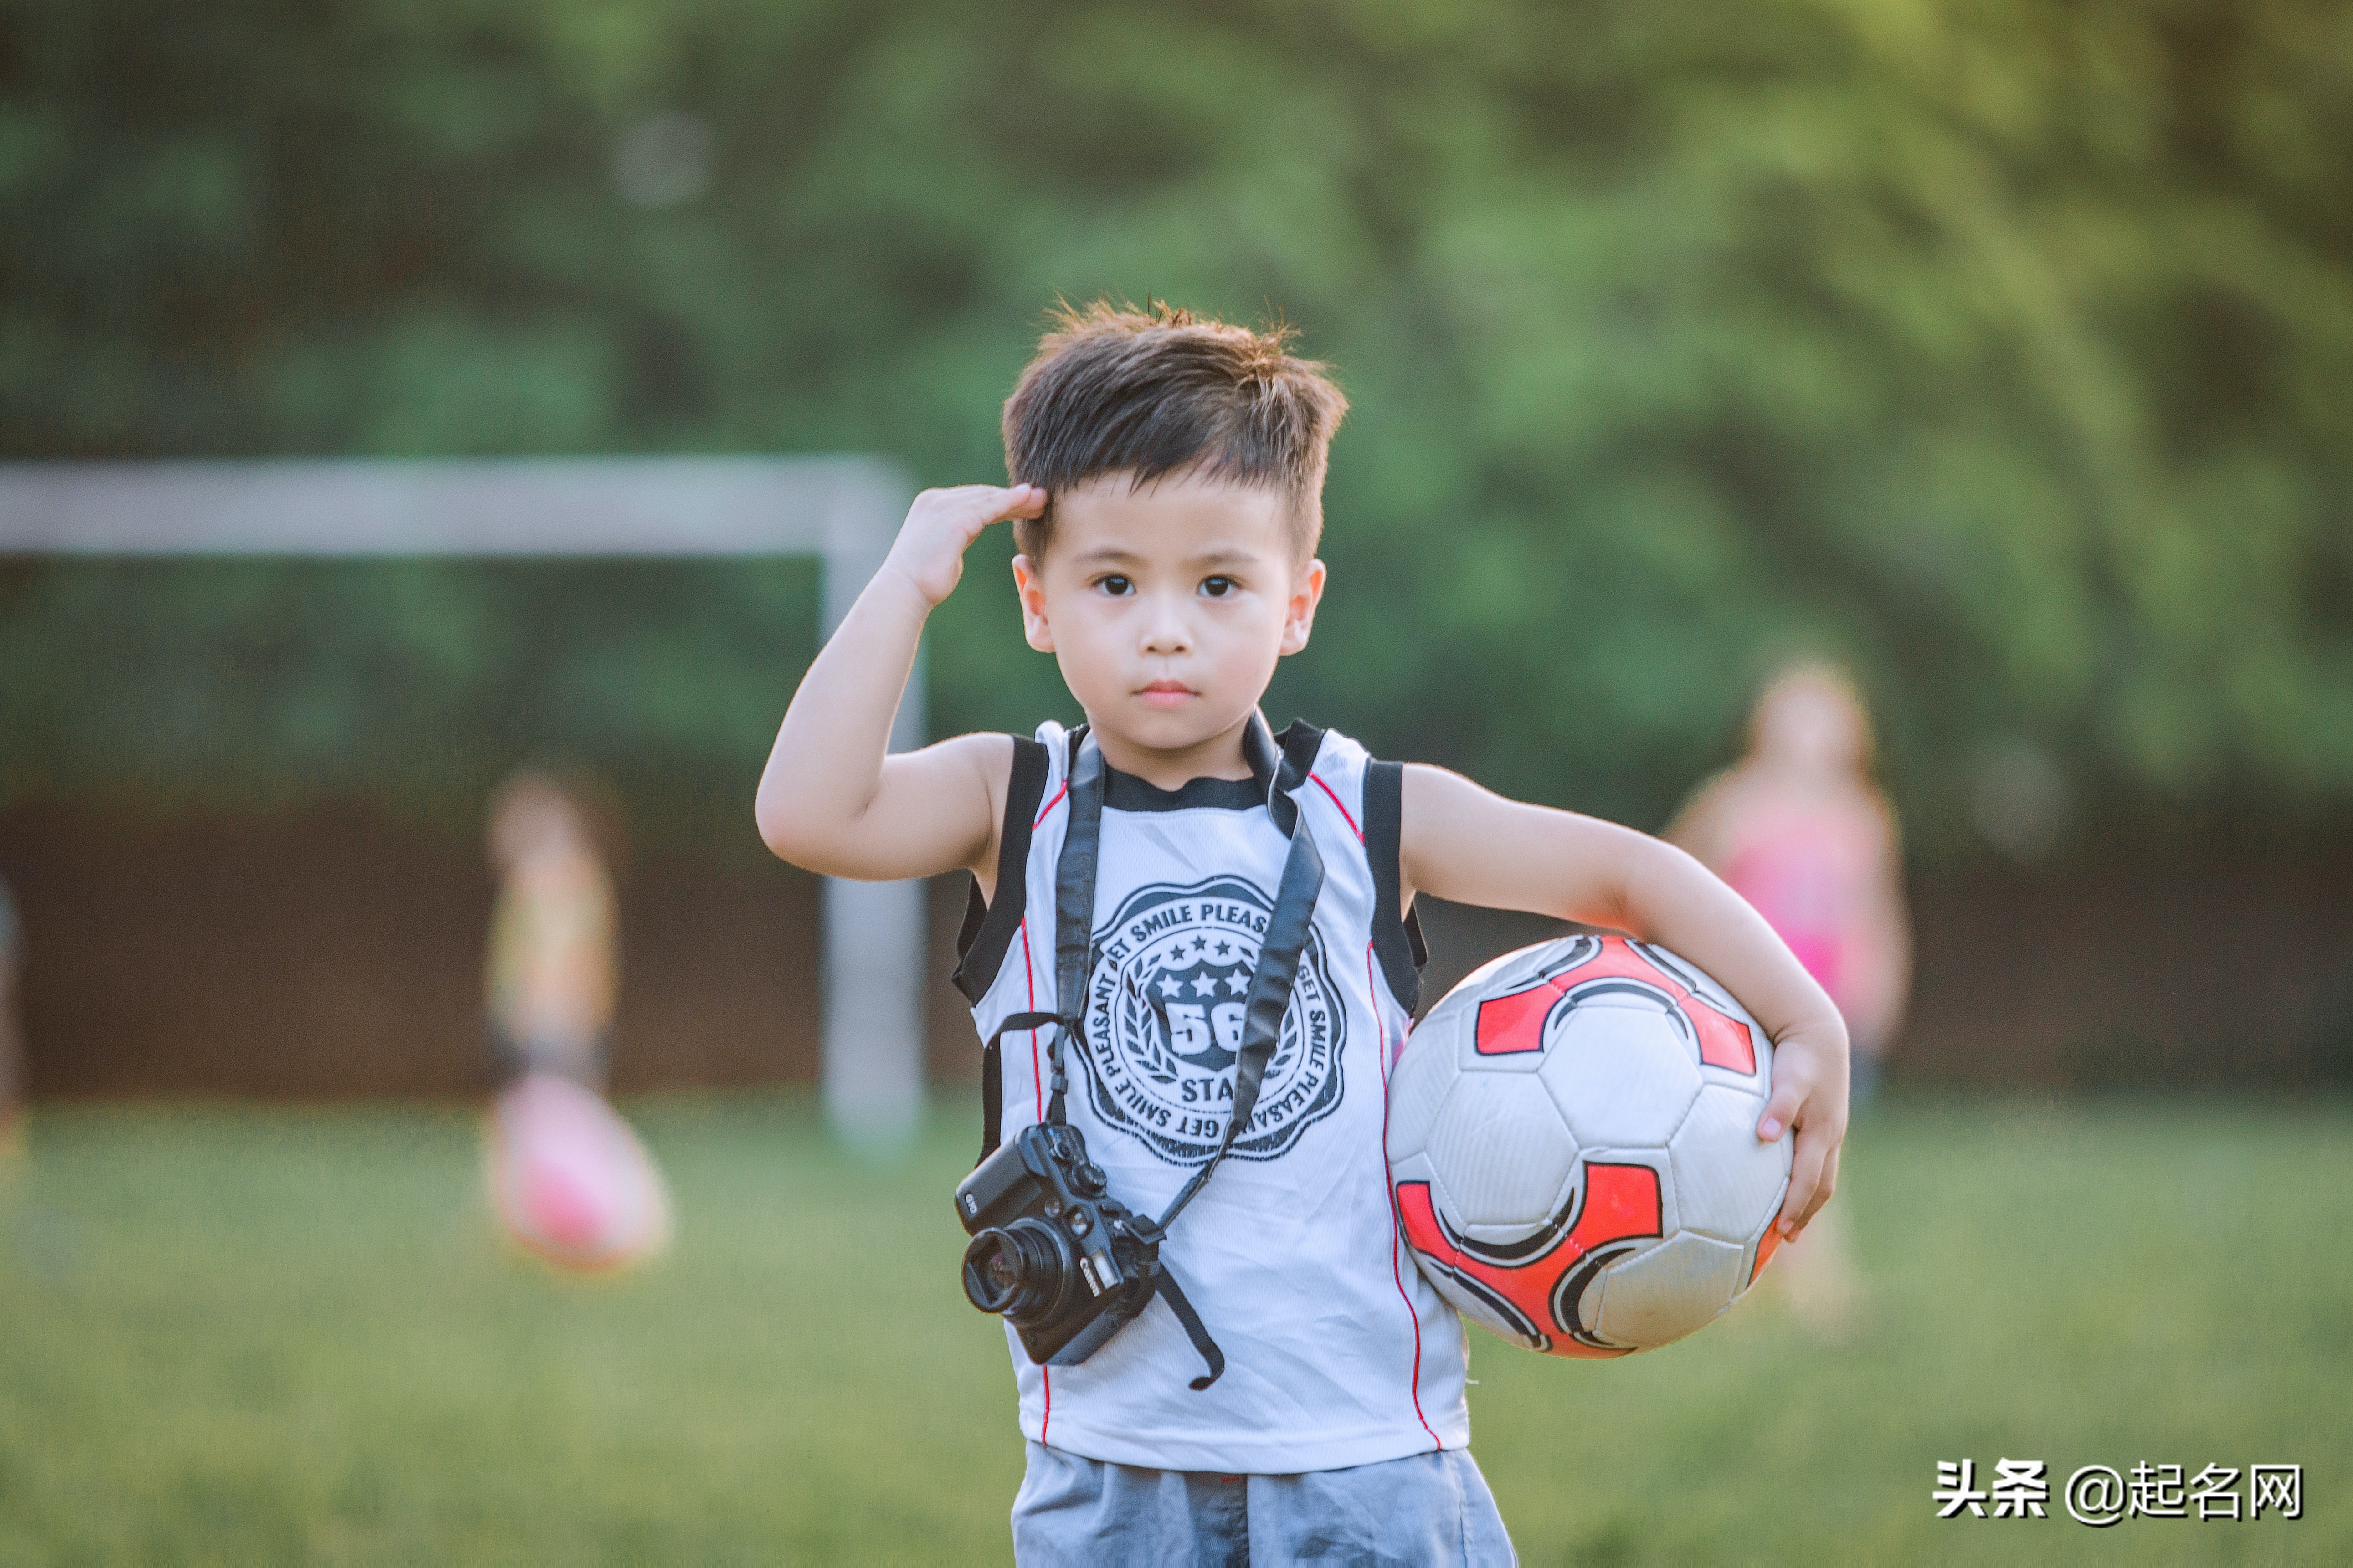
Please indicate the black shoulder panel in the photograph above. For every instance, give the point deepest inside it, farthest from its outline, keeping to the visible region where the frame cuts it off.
(988, 927)
(1396, 943)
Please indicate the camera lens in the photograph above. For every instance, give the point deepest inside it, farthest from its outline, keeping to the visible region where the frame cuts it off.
(1025, 1270)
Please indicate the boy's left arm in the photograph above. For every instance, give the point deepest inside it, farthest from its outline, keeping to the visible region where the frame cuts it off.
(1475, 847)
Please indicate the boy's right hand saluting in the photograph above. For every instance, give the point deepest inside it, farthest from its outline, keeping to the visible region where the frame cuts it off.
(942, 525)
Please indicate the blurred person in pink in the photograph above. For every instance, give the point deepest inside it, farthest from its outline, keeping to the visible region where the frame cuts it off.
(1799, 828)
(569, 1178)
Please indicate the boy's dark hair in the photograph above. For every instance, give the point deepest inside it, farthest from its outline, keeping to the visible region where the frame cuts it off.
(1157, 391)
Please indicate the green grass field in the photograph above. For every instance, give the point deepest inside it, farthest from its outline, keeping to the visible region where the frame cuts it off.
(291, 1336)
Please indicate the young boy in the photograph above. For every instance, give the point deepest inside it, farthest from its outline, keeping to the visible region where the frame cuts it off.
(1166, 500)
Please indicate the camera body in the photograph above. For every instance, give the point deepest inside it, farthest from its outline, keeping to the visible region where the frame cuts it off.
(1067, 1264)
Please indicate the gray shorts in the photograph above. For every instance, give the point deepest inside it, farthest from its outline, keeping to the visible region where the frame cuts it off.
(1425, 1509)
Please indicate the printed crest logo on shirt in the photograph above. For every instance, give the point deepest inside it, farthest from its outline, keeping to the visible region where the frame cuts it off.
(1165, 1004)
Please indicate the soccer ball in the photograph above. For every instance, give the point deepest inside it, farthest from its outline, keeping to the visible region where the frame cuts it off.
(1573, 1149)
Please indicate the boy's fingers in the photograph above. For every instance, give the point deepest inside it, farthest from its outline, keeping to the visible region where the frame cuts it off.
(1807, 1190)
(1817, 1156)
(1823, 1188)
(984, 504)
(1781, 1107)
(1813, 1164)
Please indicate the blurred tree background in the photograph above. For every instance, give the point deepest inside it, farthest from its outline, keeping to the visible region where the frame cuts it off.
(2001, 348)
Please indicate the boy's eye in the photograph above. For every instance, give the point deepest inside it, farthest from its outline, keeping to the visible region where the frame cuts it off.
(1116, 585)
(1218, 587)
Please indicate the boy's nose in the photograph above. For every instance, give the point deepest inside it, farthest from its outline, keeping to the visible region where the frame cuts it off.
(1167, 629)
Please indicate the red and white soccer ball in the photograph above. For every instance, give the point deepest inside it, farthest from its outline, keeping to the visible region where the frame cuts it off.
(1573, 1149)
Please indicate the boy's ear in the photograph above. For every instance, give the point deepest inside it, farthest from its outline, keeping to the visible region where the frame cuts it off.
(1299, 618)
(1026, 583)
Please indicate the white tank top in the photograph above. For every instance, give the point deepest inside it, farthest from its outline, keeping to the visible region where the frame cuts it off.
(1338, 1352)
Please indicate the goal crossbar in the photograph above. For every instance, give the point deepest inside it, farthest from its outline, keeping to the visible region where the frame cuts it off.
(843, 510)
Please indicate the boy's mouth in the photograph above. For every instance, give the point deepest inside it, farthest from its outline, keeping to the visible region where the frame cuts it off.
(1167, 694)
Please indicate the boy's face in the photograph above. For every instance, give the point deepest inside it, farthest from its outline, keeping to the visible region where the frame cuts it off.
(1168, 607)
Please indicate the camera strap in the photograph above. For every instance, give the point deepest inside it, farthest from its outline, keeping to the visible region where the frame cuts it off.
(1287, 930)
(1074, 904)
(1164, 1286)
(1285, 944)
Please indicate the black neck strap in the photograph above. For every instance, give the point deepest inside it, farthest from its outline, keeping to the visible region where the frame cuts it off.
(1279, 955)
(1280, 952)
(1074, 914)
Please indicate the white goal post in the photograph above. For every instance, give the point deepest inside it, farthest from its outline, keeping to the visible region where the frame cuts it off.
(844, 510)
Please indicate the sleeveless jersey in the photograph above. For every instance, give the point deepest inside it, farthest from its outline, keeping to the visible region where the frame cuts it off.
(1338, 1352)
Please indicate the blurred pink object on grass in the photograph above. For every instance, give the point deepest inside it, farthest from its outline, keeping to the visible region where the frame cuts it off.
(570, 1179)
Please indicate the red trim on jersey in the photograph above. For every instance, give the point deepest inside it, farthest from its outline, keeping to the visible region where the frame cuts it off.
(1029, 984)
(1397, 1267)
(1344, 810)
(1037, 1082)
(1049, 809)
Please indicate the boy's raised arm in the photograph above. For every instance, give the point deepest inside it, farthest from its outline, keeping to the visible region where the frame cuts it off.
(831, 799)
(1464, 842)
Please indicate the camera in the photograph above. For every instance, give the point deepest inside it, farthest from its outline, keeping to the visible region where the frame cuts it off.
(1067, 1264)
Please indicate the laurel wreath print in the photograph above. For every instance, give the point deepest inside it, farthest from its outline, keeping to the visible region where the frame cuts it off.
(1156, 983)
